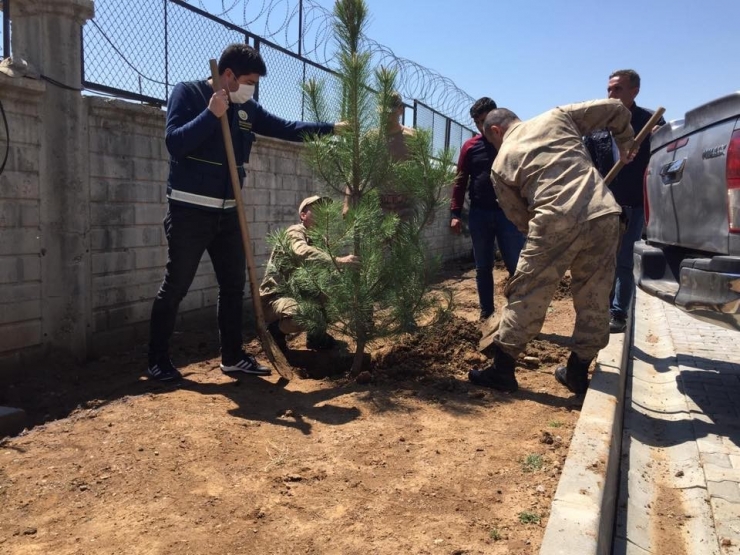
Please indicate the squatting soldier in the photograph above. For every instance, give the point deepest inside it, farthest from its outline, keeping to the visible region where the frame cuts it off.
(549, 188)
(280, 311)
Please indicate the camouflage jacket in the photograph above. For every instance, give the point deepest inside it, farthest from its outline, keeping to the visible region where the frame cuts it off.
(543, 168)
(301, 247)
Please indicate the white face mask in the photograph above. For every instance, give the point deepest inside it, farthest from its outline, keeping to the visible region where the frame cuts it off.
(242, 94)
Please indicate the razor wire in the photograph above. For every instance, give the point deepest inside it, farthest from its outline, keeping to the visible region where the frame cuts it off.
(305, 27)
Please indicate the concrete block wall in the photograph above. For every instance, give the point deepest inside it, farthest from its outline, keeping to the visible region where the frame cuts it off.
(128, 164)
(20, 248)
(128, 172)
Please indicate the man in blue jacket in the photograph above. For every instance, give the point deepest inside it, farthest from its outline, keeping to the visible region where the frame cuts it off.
(201, 213)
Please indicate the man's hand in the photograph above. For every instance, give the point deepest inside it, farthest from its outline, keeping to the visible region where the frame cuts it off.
(456, 226)
(627, 155)
(349, 260)
(341, 127)
(219, 103)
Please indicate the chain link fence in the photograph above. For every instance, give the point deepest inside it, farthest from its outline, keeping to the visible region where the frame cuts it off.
(139, 49)
(445, 132)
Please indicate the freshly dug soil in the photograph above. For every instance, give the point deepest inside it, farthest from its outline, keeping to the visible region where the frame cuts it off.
(413, 460)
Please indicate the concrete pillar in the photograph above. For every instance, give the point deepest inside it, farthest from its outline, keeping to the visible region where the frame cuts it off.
(48, 34)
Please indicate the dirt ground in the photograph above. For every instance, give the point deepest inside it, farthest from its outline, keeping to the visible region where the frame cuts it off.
(415, 461)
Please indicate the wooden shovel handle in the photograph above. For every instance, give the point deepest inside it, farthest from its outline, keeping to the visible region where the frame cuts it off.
(641, 136)
(272, 351)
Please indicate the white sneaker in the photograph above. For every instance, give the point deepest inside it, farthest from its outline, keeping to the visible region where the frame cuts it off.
(247, 364)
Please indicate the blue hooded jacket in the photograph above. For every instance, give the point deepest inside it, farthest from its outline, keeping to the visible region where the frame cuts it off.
(199, 171)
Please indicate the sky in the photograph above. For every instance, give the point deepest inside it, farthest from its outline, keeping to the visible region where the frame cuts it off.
(528, 55)
(532, 55)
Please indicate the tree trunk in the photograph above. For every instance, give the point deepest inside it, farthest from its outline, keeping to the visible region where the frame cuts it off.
(359, 356)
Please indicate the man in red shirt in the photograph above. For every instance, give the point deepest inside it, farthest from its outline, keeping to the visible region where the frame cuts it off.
(487, 222)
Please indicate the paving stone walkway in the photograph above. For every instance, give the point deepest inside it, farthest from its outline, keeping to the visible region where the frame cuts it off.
(680, 478)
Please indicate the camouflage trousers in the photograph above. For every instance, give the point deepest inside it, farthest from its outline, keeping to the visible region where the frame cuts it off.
(589, 251)
(282, 309)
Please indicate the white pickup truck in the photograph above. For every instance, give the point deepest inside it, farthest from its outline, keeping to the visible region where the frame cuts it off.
(691, 253)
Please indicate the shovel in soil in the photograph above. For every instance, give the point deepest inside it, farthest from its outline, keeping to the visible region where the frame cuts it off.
(272, 351)
(490, 326)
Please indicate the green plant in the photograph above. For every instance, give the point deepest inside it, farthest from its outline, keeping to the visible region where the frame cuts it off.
(528, 517)
(495, 534)
(532, 463)
(555, 424)
(390, 287)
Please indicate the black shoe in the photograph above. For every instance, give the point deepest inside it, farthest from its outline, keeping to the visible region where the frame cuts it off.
(574, 376)
(485, 315)
(322, 342)
(278, 336)
(617, 324)
(494, 379)
(163, 371)
(247, 364)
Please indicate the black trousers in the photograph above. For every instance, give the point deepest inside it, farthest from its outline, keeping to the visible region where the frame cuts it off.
(190, 232)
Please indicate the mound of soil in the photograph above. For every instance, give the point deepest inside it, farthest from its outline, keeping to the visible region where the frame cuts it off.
(437, 352)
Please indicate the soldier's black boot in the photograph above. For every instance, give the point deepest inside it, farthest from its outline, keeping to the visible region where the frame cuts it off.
(500, 375)
(574, 376)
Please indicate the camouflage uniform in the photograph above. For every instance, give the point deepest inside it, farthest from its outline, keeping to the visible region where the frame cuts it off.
(284, 308)
(390, 199)
(548, 187)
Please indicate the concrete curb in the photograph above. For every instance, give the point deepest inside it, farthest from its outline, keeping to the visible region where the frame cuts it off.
(583, 509)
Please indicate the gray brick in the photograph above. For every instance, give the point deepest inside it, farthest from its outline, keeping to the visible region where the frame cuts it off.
(25, 130)
(210, 296)
(151, 277)
(16, 292)
(20, 268)
(155, 257)
(257, 197)
(150, 170)
(19, 241)
(104, 239)
(20, 311)
(204, 281)
(98, 190)
(18, 336)
(30, 214)
(100, 320)
(135, 312)
(19, 185)
(106, 262)
(123, 295)
(192, 301)
(150, 213)
(119, 167)
(130, 191)
(105, 214)
(21, 158)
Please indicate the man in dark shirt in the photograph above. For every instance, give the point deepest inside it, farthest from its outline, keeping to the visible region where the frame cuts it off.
(487, 222)
(624, 85)
(201, 214)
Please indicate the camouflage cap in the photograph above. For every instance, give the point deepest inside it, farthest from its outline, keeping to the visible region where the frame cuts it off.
(308, 201)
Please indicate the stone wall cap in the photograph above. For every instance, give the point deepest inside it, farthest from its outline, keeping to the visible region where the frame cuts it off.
(17, 67)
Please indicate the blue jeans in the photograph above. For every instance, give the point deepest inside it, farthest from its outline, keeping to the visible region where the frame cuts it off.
(624, 280)
(488, 227)
(191, 232)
